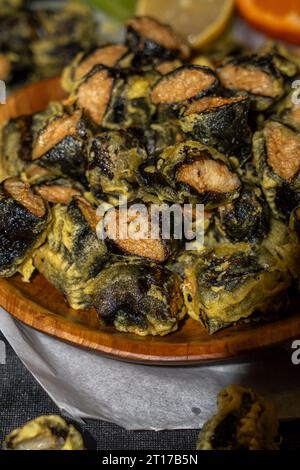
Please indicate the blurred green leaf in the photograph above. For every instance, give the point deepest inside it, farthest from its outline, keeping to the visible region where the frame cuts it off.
(118, 9)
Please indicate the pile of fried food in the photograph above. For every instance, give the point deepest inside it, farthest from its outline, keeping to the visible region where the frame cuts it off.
(39, 43)
(142, 120)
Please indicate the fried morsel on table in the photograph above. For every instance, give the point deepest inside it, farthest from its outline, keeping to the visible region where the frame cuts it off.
(231, 282)
(73, 254)
(152, 41)
(49, 432)
(111, 55)
(136, 297)
(191, 172)
(15, 146)
(113, 159)
(139, 230)
(246, 219)
(24, 219)
(116, 98)
(244, 421)
(183, 85)
(60, 144)
(254, 75)
(221, 122)
(276, 150)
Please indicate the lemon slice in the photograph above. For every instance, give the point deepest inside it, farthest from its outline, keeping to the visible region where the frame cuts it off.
(199, 21)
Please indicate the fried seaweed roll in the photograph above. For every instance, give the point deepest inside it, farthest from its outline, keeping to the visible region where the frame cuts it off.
(73, 254)
(113, 159)
(244, 421)
(137, 230)
(152, 41)
(94, 93)
(183, 85)
(230, 283)
(15, 146)
(116, 99)
(221, 123)
(111, 55)
(191, 171)
(276, 151)
(246, 219)
(24, 219)
(136, 297)
(255, 75)
(60, 145)
(45, 433)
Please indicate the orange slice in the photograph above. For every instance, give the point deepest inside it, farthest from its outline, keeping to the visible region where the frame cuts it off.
(277, 18)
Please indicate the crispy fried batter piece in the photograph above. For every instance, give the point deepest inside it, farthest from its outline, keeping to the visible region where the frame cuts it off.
(244, 421)
(110, 55)
(191, 171)
(45, 433)
(152, 41)
(276, 150)
(60, 145)
(255, 75)
(139, 298)
(129, 231)
(221, 122)
(229, 283)
(246, 219)
(113, 159)
(116, 99)
(73, 254)
(24, 219)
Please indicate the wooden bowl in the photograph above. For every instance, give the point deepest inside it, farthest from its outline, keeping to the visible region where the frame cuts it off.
(42, 307)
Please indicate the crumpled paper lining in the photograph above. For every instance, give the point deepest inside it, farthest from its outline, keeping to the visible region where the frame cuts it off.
(86, 385)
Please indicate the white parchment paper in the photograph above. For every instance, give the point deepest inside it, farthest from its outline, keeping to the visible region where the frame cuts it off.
(87, 385)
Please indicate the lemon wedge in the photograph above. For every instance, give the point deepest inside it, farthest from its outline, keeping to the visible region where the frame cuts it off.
(198, 21)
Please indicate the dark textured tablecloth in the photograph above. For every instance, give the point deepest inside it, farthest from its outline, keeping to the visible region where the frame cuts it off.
(22, 399)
